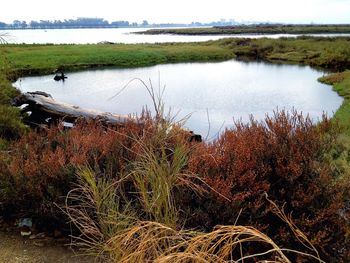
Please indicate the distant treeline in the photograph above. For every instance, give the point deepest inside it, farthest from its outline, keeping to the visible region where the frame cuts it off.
(71, 23)
(99, 23)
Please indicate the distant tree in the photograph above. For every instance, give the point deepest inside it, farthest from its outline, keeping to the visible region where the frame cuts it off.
(17, 24)
(34, 24)
(45, 24)
(90, 22)
(3, 25)
(24, 24)
(120, 23)
(196, 24)
(145, 23)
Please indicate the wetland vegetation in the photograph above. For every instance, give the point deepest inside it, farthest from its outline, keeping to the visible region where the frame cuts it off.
(253, 29)
(284, 176)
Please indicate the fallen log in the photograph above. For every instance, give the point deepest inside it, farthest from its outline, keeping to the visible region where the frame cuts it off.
(41, 108)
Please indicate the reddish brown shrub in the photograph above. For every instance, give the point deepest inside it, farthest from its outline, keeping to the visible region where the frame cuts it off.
(284, 157)
(39, 169)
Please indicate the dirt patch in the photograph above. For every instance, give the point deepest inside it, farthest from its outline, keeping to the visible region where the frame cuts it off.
(16, 249)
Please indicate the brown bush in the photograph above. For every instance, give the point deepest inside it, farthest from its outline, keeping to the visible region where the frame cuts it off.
(284, 157)
(39, 169)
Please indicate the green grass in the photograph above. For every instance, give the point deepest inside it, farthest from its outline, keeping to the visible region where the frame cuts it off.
(43, 59)
(329, 53)
(11, 125)
(326, 53)
(341, 84)
(7, 92)
(253, 29)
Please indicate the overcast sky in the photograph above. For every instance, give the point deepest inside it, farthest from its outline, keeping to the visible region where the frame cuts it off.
(183, 11)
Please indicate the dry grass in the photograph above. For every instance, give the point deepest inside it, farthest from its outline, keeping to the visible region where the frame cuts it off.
(301, 237)
(94, 208)
(155, 242)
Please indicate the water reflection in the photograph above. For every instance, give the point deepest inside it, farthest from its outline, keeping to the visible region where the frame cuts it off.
(227, 90)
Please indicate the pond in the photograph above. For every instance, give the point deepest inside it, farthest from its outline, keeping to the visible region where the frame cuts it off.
(219, 92)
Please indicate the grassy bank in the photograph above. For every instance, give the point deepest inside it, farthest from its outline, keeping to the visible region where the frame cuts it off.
(341, 84)
(253, 29)
(324, 53)
(11, 126)
(44, 59)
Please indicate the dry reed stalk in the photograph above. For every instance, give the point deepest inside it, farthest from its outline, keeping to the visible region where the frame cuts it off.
(301, 237)
(155, 242)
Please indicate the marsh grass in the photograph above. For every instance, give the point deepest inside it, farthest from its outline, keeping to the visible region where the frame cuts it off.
(44, 59)
(155, 177)
(319, 52)
(163, 153)
(94, 208)
(253, 29)
(341, 84)
(11, 125)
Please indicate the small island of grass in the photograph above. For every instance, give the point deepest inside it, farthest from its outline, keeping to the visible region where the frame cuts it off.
(253, 29)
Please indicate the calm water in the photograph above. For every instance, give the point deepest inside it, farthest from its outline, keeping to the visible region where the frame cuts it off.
(115, 35)
(227, 90)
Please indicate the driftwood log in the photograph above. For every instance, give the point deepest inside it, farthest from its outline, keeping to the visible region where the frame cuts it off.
(41, 108)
